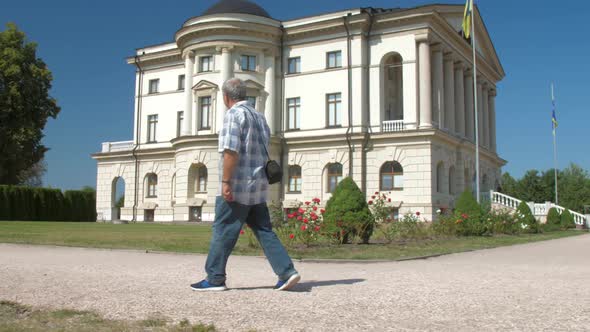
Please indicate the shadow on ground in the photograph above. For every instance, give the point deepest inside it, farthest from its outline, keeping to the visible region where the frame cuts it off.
(309, 285)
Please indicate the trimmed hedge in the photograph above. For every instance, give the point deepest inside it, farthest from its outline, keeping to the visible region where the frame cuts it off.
(43, 204)
(567, 220)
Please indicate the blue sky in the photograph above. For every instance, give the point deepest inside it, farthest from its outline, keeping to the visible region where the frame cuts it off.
(85, 44)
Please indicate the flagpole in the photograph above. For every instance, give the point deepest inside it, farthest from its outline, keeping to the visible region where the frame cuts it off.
(554, 146)
(475, 104)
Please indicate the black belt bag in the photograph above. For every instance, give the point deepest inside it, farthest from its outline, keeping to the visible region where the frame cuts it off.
(274, 171)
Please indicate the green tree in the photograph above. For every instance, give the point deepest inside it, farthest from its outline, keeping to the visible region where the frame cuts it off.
(509, 185)
(574, 188)
(530, 187)
(25, 106)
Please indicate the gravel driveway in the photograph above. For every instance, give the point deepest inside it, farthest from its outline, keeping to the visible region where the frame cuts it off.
(539, 286)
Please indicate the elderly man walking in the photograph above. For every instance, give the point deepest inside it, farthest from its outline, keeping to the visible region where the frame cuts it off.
(243, 145)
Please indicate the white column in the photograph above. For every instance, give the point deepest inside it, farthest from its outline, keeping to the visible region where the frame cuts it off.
(493, 120)
(469, 106)
(189, 65)
(269, 86)
(480, 112)
(449, 94)
(438, 95)
(486, 119)
(227, 72)
(425, 81)
(459, 100)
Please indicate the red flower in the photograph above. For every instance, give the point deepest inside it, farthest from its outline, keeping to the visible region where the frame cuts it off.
(373, 197)
(314, 217)
(389, 200)
(303, 227)
(299, 218)
(317, 200)
(301, 210)
(290, 216)
(242, 232)
(305, 220)
(317, 228)
(315, 208)
(418, 213)
(291, 236)
(464, 216)
(322, 211)
(370, 202)
(342, 232)
(307, 203)
(376, 193)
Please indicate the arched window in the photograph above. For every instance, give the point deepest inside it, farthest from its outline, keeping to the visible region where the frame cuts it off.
(197, 179)
(295, 181)
(152, 185)
(334, 176)
(393, 104)
(440, 168)
(452, 180)
(392, 176)
(173, 193)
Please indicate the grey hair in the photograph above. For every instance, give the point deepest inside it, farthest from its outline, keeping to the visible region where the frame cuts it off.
(234, 89)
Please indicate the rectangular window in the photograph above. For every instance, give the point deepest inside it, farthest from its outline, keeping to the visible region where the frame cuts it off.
(251, 101)
(294, 113)
(205, 111)
(179, 123)
(295, 180)
(152, 123)
(154, 86)
(294, 65)
(180, 82)
(206, 64)
(334, 106)
(248, 62)
(334, 59)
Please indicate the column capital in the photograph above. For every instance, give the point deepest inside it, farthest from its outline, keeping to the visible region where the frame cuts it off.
(188, 54)
(224, 48)
(424, 37)
(449, 56)
(493, 93)
(460, 65)
(437, 48)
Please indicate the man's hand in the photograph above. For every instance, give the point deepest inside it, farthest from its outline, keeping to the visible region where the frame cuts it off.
(227, 193)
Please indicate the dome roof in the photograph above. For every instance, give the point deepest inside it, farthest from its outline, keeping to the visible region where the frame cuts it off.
(236, 7)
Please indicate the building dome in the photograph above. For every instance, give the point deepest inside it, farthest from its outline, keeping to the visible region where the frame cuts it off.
(236, 7)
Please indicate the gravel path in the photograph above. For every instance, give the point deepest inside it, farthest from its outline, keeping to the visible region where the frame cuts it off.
(539, 286)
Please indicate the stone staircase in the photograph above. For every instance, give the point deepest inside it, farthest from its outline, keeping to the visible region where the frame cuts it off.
(540, 210)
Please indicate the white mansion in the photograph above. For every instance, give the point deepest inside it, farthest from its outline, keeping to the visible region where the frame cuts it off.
(382, 95)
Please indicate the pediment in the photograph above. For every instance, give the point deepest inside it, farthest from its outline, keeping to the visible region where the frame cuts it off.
(250, 84)
(205, 85)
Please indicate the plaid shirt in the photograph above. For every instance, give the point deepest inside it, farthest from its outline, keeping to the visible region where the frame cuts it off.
(242, 135)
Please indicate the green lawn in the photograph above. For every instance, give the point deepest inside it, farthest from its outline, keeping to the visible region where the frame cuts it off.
(195, 239)
(16, 318)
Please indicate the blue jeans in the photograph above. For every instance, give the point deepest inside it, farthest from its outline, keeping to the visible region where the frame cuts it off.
(229, 219)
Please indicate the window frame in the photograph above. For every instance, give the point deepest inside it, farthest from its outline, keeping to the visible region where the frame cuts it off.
(202, 173)
(336, 102)
(291, 176)
(297, 111)
(209, 64)
(152, 119)
(151, 83)
(181, 82)
(152, 186)
(297, 60)
(393, 175)
(249, 58)
(337, 56)
(202, 126)
(330, 175)
(179, 123)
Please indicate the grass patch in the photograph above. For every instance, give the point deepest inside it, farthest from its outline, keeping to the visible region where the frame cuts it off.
(15, 318)
(195, 239)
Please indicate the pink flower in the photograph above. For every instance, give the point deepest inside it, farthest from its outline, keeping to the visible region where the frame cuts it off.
(303, 228)
(301, 210)
(291, 236)
(242, 232)
(464, 216)
(305, 220)
(317, 228)
(314, 217)
(315, 208)
(322, 211)
(299, 218)
(307, 203)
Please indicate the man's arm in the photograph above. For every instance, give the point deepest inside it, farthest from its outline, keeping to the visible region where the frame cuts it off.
(230, 162)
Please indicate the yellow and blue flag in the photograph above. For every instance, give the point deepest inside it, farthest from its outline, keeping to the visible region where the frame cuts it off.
(467, 16)
(553, 116)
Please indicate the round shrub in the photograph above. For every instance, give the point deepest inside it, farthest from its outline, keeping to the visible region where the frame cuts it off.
(553, 217)
(567, 220)
(347, 213)
(524, 216)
